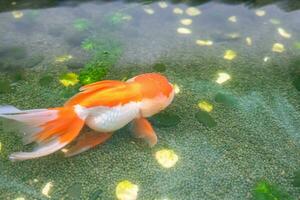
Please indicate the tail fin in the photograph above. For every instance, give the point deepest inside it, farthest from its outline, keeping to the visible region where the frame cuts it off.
(51, 128)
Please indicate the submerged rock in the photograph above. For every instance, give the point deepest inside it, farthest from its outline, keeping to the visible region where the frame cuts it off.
(159, 67)
(4, 86)
(226, 99)
(296, 82)
(205, 119)
(165, 120)
(46, 80)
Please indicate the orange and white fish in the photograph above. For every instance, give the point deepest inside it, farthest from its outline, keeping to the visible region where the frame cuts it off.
(104, 106)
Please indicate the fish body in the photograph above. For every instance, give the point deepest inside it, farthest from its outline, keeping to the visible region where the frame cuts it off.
(104, 107)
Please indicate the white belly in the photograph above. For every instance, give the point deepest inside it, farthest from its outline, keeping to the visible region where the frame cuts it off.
(106, 119)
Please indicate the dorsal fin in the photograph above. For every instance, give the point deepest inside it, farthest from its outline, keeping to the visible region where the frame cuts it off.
(100, 85)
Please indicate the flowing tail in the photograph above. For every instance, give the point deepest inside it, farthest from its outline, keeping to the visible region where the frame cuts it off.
(51, 128)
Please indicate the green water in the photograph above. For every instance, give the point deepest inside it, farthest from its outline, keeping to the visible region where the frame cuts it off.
(246, 147)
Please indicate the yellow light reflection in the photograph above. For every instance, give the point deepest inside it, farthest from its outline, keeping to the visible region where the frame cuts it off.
(0, 146)
(223, 77)
(193, 11)
(166, 158)
(162, 4)
(284, 33)
(63, 58)
(46, 189)
(19, 198)
(266, 59)
(184, 31)
(178, 11)
(149, 11)
(126, 190)
(232, 19)
(186, 21)
(205, 106)
(229, 54)
(204, 42)
(69, 79)
(17, 14)
(260, 13)
(278, 47)
(249, 41)
(176, 88)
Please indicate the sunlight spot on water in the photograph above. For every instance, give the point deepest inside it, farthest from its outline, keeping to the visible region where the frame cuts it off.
(178, 11)
(278, 47)
(274, 21)
(284, 33)
(232, 19)
(204, 42)
(63, 58)
(69, 79)
(35, 180)
(13, 3)
(126, 191)
(233, 35)
(222, 77)
(205, 106)
(166, 158)
(186, 21)
(185, 31)
(17, 14)
(249, 41)
(229, 55)
(46, 189)
(260, 13)
(0, 146)
(162, 4)
(192, 11)
(20, 198)
(149, 11)
(64, 150)
(176, 88)
(266, 59)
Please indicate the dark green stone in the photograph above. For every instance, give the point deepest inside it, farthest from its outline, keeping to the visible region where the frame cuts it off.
(19, 75)
(45, 80)
(159, 67)
(296, 179)
(165, 119)
(205, 119)
(74, 192)
(4, 86)
(226, 99)
(296, 83)
(96, 195)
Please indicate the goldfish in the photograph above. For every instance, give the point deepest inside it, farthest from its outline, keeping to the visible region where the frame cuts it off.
(104, 107)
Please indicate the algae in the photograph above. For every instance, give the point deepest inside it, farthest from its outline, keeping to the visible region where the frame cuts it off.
(265, 191)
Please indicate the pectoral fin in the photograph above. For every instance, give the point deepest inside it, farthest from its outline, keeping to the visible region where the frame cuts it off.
(143, 129)
(87, 141)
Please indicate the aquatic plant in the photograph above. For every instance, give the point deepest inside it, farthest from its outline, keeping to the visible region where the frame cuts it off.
(119, 18)
(105, 53)
(92, 72)
(88, 45)
(263, 190)
(81, 24)
(69, 79)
